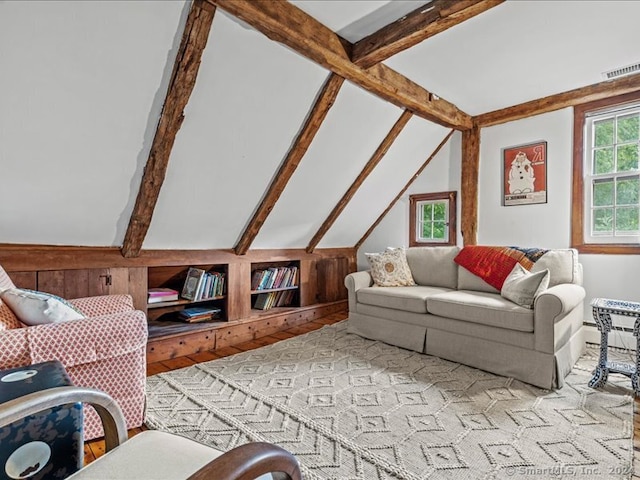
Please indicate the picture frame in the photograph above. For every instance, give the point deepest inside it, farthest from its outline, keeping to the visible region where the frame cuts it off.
(524, 174)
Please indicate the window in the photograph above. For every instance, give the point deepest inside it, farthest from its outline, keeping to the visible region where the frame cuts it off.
(606, 176)
(432, 219)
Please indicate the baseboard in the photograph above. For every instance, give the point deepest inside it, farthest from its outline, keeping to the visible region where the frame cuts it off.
(617, 338)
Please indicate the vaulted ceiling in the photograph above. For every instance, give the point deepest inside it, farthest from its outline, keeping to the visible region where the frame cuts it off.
(271, 140)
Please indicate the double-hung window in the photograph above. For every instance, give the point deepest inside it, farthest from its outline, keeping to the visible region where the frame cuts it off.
(432, 219)
(609, 175)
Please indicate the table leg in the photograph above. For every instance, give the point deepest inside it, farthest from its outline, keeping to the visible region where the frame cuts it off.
(603, 322)
(634, 375)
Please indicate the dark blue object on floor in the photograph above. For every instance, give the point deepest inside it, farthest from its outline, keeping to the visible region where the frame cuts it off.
(48, 445)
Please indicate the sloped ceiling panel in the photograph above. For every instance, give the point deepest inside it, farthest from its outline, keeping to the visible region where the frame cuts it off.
(524, 50)
(78, 83)
(250, 100)
(353, 129)
(356, 19)
(410, 150)
(442, 175)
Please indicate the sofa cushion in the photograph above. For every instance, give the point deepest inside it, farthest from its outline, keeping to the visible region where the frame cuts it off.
(434, 266)
(522, 287)
(562, 264)
(410, 299)
(481, 307)
(37, 308)
(469, 281)
(390, 268)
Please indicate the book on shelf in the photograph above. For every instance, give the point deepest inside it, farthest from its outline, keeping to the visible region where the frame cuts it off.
(267, 300)
(203, 285)
(157, 295)
(192, 283)
(199, 314)
(274, 278)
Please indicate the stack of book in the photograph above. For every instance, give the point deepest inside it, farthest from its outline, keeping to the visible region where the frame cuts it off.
(202, 285)
(274, 277)
(157, 295)
(265, 301)
(198, 314)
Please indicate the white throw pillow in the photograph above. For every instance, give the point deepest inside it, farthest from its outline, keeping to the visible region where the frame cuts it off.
(522, 286)
(38, 308)
(390, 268)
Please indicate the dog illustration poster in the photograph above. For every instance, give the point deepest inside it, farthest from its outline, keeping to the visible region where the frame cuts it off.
(525, 174)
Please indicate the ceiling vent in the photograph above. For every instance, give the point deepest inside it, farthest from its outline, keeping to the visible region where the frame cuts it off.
(622, 71)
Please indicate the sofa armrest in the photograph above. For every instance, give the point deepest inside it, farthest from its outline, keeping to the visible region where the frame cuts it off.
(550, 307)
(88, 340)
(103, 304)
(354, 282)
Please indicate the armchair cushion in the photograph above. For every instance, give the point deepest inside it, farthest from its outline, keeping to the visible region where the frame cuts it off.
(8, 320)
(103, 304)
(37, 308)
(88, 340)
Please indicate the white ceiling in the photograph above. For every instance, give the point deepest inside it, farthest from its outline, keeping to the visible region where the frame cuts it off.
(83, 83)
(518, 51)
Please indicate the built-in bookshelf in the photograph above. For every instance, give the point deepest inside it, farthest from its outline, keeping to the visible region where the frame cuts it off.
(197, 286)
(274, 285)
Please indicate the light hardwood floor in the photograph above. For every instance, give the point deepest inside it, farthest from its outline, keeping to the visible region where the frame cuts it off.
(95, 448)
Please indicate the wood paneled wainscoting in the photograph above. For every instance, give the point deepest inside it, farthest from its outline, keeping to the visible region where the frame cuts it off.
(317, 288)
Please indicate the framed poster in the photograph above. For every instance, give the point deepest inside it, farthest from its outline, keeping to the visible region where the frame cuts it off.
(524, 174)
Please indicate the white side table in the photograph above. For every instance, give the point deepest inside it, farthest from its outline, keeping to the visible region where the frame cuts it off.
(603, 308)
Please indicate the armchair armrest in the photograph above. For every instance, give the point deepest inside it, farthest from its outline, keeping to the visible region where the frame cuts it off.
(103, 304)
(89, 339)
(550, 307)
(354, 282)
(250, 461)
(115, 427)
(245, 462)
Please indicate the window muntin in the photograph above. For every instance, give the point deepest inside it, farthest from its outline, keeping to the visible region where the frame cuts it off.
(432, 219)
(612, 175)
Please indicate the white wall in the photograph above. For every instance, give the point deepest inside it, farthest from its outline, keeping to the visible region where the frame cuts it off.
(441, 175)
(543, 225)
(80, 85)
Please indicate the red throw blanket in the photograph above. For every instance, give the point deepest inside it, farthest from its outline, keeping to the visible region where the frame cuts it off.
(494, 264)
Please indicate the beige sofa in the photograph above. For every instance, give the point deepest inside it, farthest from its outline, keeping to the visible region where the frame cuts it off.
(453, 314)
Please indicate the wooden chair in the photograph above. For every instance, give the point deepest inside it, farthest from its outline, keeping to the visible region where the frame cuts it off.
(155, 455)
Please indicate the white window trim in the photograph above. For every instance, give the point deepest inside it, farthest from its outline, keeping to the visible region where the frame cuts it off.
(589, 178)
(420, 222)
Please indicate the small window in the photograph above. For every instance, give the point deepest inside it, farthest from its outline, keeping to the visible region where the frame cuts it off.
(432, 219)
(608, 165)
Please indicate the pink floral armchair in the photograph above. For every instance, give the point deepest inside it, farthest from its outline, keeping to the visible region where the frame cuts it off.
(106, 350)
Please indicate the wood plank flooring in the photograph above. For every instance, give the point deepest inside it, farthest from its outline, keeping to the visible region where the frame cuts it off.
(95, 448)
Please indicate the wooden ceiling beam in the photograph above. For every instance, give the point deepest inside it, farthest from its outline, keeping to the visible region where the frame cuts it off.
(380, 152)
(597, 91)
(413, 28)
(183, 79)
(469, 185)
(402, 192)
(316, 116)
(285, 23)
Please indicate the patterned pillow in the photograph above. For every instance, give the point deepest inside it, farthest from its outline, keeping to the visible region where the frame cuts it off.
(37, 308)
(390, 268)
(522, 287)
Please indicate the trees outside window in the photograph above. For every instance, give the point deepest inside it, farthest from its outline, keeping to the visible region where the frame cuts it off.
(606, 171)
(432, 219)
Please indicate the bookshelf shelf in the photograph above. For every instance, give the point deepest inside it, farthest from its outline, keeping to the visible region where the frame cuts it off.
(182, 302)
(254, 292)
(174, 277)
(275, 285)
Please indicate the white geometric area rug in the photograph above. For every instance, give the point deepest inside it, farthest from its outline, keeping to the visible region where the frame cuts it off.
(351, 408)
